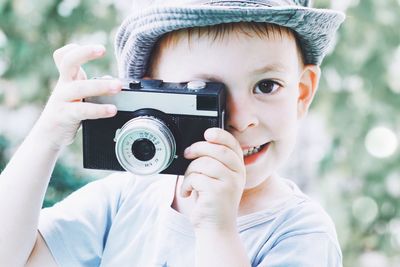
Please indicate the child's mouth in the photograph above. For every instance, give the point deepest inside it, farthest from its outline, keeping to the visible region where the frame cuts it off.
(252, 154)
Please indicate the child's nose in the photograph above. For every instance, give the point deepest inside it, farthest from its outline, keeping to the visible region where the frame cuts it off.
(241, 114)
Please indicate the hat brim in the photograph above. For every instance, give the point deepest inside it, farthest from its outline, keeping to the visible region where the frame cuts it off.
(137, 35)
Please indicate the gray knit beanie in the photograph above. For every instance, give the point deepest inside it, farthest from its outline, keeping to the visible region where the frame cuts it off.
(315, 28)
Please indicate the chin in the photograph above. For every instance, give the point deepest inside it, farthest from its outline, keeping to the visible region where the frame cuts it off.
(254, 177)
(258, 173)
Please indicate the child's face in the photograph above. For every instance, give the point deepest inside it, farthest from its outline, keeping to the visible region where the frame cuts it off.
(255, 115)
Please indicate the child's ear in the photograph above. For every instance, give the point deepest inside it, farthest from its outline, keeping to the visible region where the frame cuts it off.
(308, 85)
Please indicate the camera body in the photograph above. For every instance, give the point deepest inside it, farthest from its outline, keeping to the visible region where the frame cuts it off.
(154, 124)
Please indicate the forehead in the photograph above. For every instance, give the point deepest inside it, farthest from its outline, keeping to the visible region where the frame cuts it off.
(234, 48)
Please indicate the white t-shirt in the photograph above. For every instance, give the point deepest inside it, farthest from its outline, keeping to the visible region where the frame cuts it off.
(123, 220)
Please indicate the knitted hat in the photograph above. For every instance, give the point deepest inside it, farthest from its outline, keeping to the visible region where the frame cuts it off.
(314, 28)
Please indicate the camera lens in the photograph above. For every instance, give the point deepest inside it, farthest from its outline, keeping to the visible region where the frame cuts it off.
(145, 145)
(143, 149)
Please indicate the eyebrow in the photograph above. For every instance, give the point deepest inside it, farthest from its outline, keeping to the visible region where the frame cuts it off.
(274, 67)
(209, 77)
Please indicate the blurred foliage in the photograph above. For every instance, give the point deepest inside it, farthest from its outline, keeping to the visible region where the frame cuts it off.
(29, 34)
(359, 92)
(358, 175)
(64, 181)
(3, 146)
(31, 31)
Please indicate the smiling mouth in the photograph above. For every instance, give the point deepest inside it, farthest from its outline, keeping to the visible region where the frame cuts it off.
(253, 150)
(251, 155)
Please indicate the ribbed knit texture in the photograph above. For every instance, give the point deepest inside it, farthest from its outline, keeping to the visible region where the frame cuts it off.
(138, 33)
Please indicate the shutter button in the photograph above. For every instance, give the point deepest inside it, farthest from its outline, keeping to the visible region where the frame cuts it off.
(196, 85)
(135, 84)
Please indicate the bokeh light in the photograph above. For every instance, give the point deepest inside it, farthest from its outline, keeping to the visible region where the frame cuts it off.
(392, 183)
(365, 210)
(393, 76)
(381, 142)
(66, 7)
(394, 228)
(373, 259)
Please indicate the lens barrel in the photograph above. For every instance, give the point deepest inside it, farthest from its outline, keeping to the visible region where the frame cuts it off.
(145, 145)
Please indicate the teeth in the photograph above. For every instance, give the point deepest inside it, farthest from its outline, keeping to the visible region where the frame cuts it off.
(251, 151)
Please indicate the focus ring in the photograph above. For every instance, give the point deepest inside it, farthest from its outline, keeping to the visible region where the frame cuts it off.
(156, 131)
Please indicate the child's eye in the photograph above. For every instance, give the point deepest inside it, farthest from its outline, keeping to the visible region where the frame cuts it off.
(266, 87)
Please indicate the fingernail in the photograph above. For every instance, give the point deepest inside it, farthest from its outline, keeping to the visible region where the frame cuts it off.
(187, 151)
(111, 109)
(98, 49)
(115, 87)
(209, 134)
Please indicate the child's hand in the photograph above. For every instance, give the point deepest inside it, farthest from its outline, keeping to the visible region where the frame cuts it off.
(217, 175)
(64, 110)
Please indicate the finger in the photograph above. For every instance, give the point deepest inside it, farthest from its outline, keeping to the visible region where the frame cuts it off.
(211, 168)
(79, 111)
(222, 137)
(222, 153)
(197, 182)
(81, 89)
(71, 63)
(82, 74)
(59, 54)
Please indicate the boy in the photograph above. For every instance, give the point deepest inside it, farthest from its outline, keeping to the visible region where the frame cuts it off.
(230, 208)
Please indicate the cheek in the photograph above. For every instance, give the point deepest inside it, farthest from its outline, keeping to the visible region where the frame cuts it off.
(281, 118)
(284, 130)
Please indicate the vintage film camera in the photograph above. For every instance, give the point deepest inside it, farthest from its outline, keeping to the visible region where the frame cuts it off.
(154, 124)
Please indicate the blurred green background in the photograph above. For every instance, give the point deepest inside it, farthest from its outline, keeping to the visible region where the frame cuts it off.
(348, 150)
